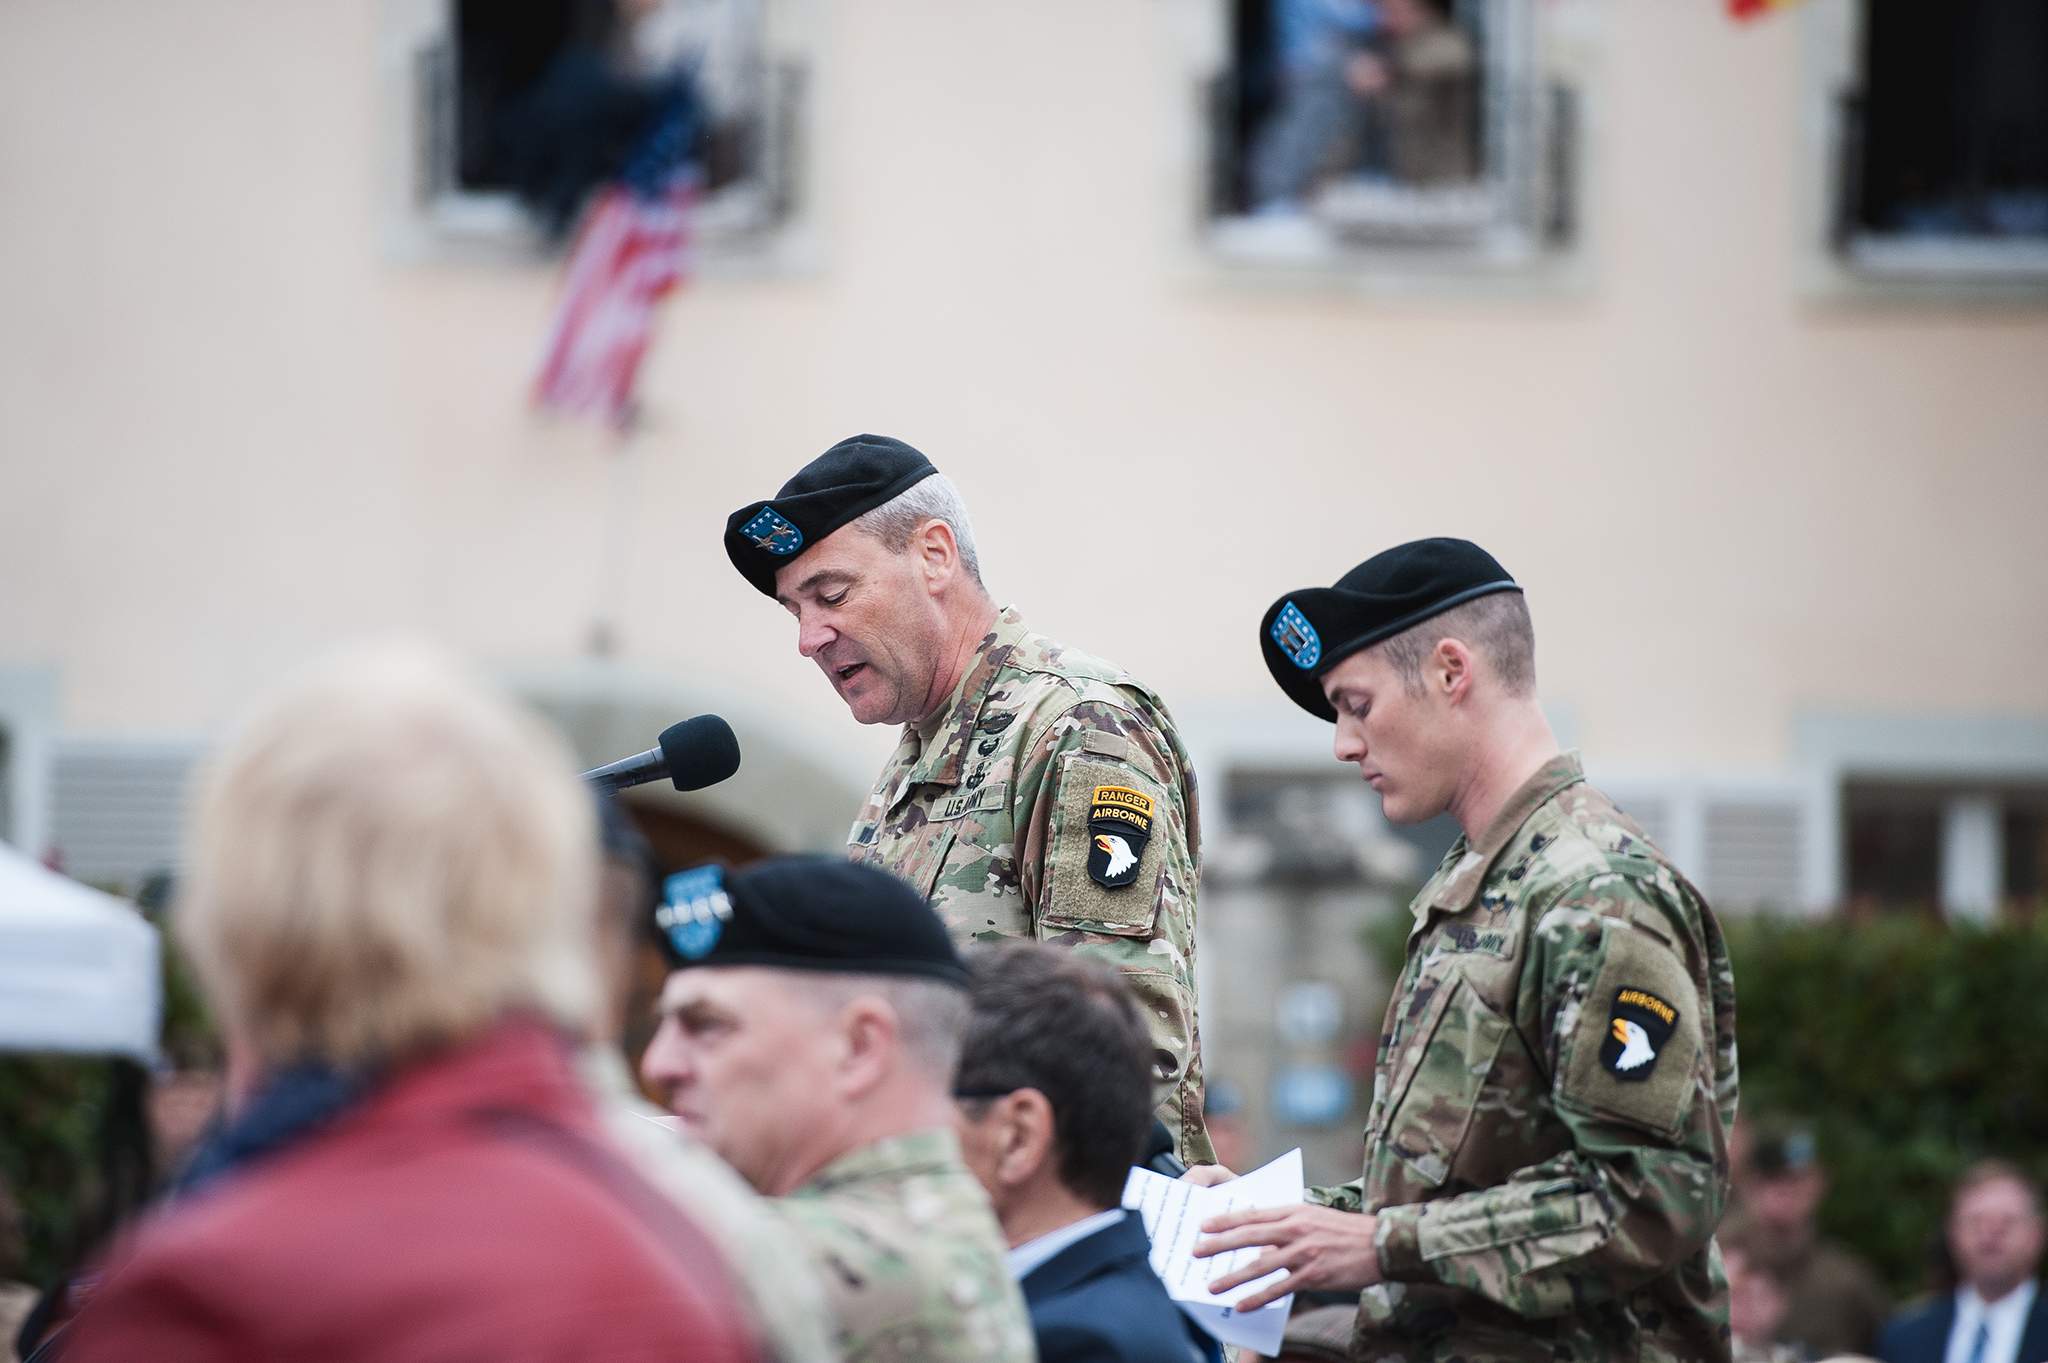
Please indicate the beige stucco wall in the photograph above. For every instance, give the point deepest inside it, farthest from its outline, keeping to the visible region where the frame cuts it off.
(231, 431)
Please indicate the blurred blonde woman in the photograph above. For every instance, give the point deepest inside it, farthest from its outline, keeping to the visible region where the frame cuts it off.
(389, 885)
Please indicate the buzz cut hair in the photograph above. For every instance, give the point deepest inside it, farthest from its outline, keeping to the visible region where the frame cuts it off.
(931, 1015)
(1495, 626)
(930, 499)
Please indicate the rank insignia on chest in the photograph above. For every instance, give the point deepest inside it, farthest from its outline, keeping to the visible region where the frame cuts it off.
(769, 531)
(1636, 1032)
(693, 911)
(1119, 825)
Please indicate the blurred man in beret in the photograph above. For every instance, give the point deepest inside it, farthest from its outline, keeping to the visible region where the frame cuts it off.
(1546, 1154)
(784, 1300)
(1037, 792)
(809, 1034)
(1834, 1302)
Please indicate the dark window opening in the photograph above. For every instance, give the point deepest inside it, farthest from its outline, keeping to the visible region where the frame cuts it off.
(1894, 851)
(502, 49)
(1951, 133)
(549, 99)
(1892, 846)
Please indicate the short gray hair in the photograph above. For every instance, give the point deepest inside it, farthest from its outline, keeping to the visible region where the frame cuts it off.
(930, 499)
(931, 1017)
(1496, 627)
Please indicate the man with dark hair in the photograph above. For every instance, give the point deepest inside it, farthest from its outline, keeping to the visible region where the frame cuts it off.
(1546, 1155)
(1053, 1106)
(1996, 1314)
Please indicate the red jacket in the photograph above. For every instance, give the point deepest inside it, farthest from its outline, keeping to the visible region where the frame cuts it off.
(468, 1209)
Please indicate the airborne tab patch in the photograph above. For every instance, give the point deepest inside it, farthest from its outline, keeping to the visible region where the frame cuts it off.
(1297, 637)
(1119, 825)
(693, 911)
(1636, 1032)
(769, 531)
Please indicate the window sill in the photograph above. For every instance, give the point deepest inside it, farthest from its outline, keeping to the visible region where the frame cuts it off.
(1474, 258)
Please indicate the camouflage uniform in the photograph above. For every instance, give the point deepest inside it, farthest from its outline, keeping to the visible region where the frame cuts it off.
(785, 1303)
(1547, 1145)
(994, 804)
(912, 1260)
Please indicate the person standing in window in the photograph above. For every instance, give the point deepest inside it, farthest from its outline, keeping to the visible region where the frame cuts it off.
(1316, 117)
(1417, 82)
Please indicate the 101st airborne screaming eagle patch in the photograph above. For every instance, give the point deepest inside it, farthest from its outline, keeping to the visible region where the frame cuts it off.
(1119, 825)
(1636, 1032)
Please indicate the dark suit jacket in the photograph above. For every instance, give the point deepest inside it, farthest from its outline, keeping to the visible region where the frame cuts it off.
(1921, 1335)
(1098, 1301)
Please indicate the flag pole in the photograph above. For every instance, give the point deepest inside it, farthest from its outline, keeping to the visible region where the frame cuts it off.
(615, 549)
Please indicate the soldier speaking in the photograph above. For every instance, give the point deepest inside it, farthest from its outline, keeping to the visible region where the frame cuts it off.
(1546, 1151)
(1037, 792)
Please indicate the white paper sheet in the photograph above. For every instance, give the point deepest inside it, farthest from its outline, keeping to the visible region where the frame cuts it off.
(1173, 1213)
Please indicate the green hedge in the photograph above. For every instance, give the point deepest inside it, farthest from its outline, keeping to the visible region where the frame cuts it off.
(1911, 1048)
(73, 1141)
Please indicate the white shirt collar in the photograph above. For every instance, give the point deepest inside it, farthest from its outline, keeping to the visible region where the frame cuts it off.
(1032, 1253)
(2004, 1321)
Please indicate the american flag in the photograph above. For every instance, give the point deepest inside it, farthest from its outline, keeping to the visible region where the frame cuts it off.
(632, 249)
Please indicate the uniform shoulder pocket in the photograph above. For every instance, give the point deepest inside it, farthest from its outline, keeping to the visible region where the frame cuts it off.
(1636, 1042)
(1106, 849)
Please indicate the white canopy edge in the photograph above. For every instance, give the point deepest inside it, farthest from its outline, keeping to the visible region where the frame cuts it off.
(78, 968)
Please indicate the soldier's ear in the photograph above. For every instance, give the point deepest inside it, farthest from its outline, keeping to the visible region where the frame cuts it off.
(870, 1045)
(938, 553)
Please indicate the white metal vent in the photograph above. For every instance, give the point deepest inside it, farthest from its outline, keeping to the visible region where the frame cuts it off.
(1752, 853)
(117, 807)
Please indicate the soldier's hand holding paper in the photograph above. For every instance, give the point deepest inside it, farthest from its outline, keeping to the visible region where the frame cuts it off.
(1322, 1249)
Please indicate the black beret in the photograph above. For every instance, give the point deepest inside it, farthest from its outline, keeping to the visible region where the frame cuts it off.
(842, 484)
(1306, 633)
(804, 913)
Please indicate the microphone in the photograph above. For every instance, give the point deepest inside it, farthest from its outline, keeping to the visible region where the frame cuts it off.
(697, 753)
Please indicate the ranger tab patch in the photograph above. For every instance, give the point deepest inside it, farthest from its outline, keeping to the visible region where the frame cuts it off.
(1636, 1032)
(769, 531)
(1297, 637)
(693, 911)
(1119, 825)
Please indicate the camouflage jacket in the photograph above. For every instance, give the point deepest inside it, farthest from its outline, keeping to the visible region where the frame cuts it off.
(910, 1254)
(785, 1303)
(1053, 799)
(1547, 1144)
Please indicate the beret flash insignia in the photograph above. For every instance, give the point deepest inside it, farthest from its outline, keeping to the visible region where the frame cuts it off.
(1636, 1032)
(1297, 637)
(694, 910)
(771, 532)
(1119, 826)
